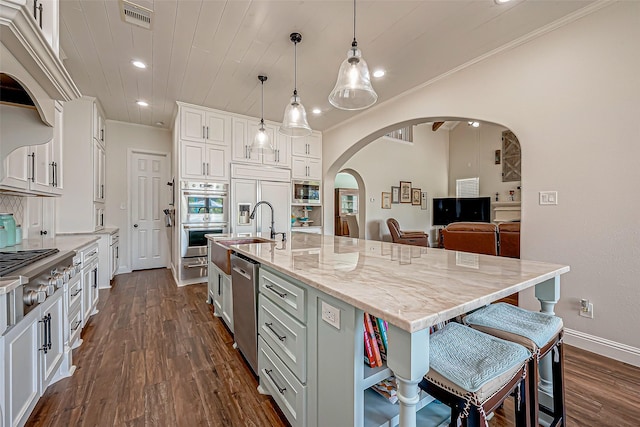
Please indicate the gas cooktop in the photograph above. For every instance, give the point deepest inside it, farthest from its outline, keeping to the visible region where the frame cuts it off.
(12, 261)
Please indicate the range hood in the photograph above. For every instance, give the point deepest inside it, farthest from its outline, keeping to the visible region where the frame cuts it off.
(20, 121)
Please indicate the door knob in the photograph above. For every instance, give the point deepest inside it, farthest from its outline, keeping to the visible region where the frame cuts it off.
(135, 225)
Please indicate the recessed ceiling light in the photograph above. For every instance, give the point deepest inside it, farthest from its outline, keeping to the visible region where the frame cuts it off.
(474, 124)
(316, 111)
(501, 1)
(160, 123)
(139, 64)
(142, 103)
(378, 73)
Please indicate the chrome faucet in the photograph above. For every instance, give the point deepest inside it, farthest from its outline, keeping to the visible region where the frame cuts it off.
(273, 231)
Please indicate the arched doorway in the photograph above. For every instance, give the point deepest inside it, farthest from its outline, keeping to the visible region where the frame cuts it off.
(349, 198)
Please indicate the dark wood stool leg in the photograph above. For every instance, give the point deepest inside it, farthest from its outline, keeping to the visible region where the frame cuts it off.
(532, 391)
(559, 411)
(523, 410)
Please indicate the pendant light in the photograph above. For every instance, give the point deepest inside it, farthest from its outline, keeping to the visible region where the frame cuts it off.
(353, 90)
(295, 122)
(261, 140)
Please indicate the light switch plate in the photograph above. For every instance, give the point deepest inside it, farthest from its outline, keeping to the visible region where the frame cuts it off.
(331, 315)
(548, 197)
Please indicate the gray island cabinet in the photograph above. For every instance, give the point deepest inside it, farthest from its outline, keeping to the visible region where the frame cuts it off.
(313, 293)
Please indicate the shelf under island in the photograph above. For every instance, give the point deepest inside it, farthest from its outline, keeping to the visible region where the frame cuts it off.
(313, 293)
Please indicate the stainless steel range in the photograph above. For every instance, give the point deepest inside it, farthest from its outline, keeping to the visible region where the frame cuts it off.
(42, 272)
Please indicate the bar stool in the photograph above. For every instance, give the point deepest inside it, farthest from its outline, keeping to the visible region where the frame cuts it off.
(540, 333)
(473, 373)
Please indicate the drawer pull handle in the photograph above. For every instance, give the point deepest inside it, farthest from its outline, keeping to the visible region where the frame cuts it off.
(76, 325)
(281, 338)
(272, 289)
(268, 372)
(77, 292)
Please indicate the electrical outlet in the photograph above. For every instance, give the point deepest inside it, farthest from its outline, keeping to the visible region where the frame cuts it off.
(331, 315)
(586, 308)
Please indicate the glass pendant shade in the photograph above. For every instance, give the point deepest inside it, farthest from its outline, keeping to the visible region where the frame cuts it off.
(295, 123)
(262, 141)
(353, 90)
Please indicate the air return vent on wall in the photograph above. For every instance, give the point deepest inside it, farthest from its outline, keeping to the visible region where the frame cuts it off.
(135, 14)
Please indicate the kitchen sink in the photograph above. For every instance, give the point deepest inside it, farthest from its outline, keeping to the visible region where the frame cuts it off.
(220, 253)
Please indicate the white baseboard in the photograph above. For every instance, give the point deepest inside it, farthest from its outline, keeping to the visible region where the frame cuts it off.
(614, 350)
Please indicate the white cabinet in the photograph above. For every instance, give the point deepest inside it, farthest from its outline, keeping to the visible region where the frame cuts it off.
(33, 351)
(22, 351)
(98, 125)
(89, 279)
(201, 125)
(242, 141)
(205, 144)
(308, 146)
(220, 286)
(114, 254)
(281, 154)
(40, 218)
(306, 162)
(306, 168)
(204, 161)
(81, 209)
(99, 172)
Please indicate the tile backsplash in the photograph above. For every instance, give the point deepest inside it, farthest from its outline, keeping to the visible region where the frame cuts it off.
(14, 205)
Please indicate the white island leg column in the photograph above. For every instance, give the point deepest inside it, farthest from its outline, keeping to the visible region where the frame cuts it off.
(548, 293)
(408, 358)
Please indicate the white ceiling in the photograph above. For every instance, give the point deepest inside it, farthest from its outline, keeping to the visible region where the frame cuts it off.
(210, 52)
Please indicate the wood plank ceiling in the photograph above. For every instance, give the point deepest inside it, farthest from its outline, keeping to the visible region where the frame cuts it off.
(210, 52)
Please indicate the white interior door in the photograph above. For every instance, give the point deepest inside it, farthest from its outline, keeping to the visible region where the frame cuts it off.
(148, 175)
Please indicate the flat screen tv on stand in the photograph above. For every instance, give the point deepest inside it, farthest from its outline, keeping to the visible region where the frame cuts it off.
(466, 209)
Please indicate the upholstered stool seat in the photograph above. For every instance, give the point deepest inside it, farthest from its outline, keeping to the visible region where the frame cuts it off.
(473, 373)
(540, 333)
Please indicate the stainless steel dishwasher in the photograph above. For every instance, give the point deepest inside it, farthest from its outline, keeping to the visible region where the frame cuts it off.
(244, 279)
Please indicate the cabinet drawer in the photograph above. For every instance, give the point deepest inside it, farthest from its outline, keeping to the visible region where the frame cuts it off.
(290, 297)
(75, 325)
(75, 291)
(286, 390)
(285, 335)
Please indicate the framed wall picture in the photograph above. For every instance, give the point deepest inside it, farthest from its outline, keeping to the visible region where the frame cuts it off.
(423, 203)
(386, 200)
(395, 195)
(416, 196)
(405, 192)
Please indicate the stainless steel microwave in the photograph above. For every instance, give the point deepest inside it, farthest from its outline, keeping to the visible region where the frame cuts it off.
(307, 192)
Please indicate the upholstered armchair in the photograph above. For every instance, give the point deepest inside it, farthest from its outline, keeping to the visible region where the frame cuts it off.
(475, 237)
(415, 238)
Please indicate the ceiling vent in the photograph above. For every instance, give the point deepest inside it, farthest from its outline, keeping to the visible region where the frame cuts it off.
(135, 14)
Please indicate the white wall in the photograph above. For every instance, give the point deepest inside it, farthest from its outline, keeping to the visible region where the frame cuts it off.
(572, 96)
(472, 154)
(121, 137)
(385, 162)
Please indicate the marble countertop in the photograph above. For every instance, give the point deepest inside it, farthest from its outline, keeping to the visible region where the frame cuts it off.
(65, 245)
(410, 286)
(105, 230)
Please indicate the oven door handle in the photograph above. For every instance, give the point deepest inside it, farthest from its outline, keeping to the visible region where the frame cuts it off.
(205, 193)
(204, 226)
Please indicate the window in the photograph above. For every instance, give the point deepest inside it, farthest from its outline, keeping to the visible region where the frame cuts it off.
(469, 187)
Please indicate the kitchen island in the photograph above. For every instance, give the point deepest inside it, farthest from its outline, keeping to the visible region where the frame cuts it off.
(327, 283)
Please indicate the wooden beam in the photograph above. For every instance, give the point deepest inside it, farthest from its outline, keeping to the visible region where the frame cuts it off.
(436, 126)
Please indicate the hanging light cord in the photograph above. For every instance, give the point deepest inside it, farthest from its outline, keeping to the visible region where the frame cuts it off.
(295, 68)
(354, 43)
(262, 103)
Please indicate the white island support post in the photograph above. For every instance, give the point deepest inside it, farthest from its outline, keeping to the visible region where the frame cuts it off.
(408, 358)
(548, 293)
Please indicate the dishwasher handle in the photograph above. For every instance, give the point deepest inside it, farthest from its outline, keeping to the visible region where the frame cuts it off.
(242, 273)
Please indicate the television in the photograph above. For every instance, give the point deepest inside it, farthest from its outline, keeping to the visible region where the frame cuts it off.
(451, 209)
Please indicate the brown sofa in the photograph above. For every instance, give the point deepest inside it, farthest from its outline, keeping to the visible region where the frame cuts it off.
(415, 238)
(475, 237)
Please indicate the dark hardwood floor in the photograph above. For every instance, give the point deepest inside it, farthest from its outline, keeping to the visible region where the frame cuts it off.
(155, 355)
